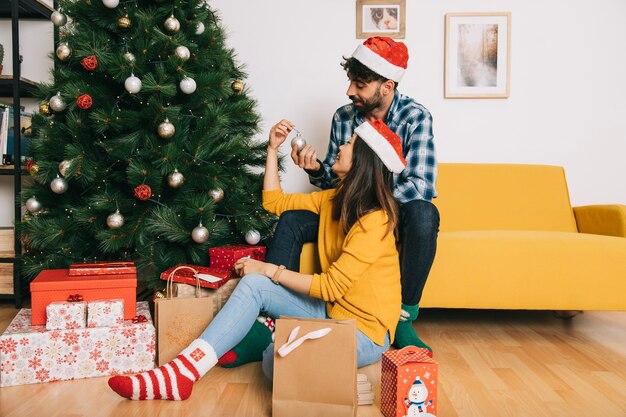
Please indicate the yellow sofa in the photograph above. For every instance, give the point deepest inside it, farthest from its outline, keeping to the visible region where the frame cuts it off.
(509, 239)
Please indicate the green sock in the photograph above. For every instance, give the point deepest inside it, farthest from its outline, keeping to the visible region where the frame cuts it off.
(251, 348)
(405, 333)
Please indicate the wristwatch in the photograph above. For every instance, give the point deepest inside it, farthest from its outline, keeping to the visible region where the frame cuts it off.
(279, 271)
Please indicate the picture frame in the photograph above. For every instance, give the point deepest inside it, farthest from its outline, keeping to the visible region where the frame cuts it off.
(380, 18)
(477, 59)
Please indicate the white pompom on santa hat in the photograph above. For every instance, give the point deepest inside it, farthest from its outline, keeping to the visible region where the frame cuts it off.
(384, 56)
(384, 142)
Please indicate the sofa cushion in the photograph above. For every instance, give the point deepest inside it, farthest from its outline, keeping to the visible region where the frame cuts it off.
(503, 197)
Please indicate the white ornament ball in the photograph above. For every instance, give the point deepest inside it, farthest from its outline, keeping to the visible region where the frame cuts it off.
(63, 51)
(172, 24)
(59, 185)
(200, 234)
(132, 84)
(115, 220)
(129, 57)
(216, 194)
(299, 142)
(182, 52)
(166, 129)
(200, 28)
(111, 4)
(253, 237)
(58, 18)
(64, 166)
(33, 205)
(187, 85)
(175, 179)
(56, 103)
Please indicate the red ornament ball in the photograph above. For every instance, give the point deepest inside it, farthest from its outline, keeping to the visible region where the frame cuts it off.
(29, 164)
(90, 63)
(143, 192)
(84, 101)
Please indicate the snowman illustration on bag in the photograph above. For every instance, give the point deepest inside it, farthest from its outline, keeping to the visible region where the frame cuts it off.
(416, 400)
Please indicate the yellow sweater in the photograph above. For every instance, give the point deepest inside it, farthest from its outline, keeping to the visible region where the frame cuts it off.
(361, 278)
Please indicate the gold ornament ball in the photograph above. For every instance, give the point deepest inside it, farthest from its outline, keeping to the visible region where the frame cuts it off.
(63, 51)
(237, 86)
(44, 109)
(124, 22)
(166, 129)
(34, 169)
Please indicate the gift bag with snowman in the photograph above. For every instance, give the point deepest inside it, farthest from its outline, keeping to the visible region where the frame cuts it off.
(408, 383)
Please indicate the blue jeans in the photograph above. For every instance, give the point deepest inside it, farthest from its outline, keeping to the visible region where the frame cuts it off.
(255, 293)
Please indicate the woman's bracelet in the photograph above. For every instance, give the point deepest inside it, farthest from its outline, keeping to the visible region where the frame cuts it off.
(279, 271)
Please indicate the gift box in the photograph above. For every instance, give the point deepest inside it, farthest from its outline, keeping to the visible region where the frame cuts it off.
(209, 277)
(224, 257)
(66, 315)
(102, 268)
(31, 354)
(105, 313)
(408, 383)
(56, 285)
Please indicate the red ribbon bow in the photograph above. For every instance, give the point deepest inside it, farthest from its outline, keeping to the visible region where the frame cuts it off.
(74, 298)
(140, 319)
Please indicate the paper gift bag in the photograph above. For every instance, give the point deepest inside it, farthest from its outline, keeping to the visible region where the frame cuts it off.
(179, 320)
(314, 368)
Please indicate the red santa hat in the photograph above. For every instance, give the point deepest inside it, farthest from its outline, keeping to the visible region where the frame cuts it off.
(384, 142)
(384, 56)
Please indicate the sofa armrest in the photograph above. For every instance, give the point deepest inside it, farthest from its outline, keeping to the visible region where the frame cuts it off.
(609, 220)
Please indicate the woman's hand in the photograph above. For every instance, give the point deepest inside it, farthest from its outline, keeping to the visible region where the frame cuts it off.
(279, 132)
(246, 266)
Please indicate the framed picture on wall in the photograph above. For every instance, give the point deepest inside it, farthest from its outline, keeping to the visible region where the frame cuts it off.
(477, 55)
(380, 18)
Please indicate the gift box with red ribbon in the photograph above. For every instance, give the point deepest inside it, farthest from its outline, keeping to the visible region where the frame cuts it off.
(31, 354)
(66, 315)
(105, 313)
(224, 257)
(208, 277)
(408, 383)
(102, 268)
(57, 285)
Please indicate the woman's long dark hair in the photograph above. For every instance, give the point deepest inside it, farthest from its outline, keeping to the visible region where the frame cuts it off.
(366, 187)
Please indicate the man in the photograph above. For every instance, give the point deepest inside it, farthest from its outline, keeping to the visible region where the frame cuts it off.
(374, 71)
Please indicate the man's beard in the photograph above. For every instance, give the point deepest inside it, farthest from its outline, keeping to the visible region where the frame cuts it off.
(367, 106)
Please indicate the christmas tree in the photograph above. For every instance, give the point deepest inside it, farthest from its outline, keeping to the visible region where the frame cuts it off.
(143, 146)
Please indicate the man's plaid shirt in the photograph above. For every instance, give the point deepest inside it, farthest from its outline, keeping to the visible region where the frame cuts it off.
(414, 124)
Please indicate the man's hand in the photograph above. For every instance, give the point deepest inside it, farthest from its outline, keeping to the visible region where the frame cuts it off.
(306, 158)
(279, 132)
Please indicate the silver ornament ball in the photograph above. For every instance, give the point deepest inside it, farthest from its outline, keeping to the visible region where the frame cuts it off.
(175, 179)
(187, 85)
(172, 24)
(59, 185)
(253, 237)
(129, 57)
(58, 18)
(182, 52)
(299, 142)
(166, 129)
(33, 205)
(217, 194)
(132, 84)
(200, 234)
(111, 4)
(115, 220)
(63, 51)
(64, 166)
(56, 103)
(200, 28)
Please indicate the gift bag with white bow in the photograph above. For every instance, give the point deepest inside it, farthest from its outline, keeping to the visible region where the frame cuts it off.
(314, 368)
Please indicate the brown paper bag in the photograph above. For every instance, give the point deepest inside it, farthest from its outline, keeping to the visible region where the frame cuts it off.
(179, 321)
(218, 295)
(317, 374)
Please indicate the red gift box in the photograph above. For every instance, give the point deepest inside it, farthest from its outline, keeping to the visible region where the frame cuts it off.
(56, 285)
(186, 276)
(102, 268)
(224, 257)
(408, 383)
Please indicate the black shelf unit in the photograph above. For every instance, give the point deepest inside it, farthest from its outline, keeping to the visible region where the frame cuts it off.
(17, 87)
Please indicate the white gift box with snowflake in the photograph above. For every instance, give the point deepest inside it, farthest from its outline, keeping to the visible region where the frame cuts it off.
(105, 313)
(66, 315)
(31, 354)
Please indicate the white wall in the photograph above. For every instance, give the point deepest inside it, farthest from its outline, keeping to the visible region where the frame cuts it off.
(568, 82)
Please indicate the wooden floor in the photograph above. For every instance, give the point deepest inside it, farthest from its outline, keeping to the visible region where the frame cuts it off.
(492, 363)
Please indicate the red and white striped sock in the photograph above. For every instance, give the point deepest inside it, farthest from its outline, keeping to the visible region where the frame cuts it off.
(172, 381)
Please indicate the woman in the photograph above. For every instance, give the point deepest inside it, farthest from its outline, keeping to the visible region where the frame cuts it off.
(361, 278)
